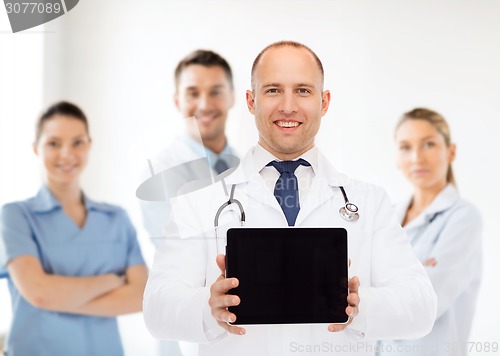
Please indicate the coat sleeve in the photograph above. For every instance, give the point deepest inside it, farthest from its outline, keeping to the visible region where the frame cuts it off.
(399, 301)
(458, 254)
(177, 292)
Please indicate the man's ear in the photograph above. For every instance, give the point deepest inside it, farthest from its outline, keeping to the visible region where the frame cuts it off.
(250, 101)
(176, 100)
(325, 102)
(35, 149)
(231, 98)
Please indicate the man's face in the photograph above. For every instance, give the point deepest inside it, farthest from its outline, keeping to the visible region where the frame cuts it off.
(287, 101)
(205, 93)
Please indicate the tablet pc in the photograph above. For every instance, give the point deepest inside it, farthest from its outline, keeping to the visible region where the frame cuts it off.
(288, 275)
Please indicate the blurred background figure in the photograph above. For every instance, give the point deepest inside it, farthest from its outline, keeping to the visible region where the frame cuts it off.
(73, 264)
(204, 94)
(445, 232)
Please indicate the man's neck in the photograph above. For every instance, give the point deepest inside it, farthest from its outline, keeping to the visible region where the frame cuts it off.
(285, 156)
(215, 145)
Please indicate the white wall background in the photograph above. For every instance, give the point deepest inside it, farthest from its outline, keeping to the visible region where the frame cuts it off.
(382, 58)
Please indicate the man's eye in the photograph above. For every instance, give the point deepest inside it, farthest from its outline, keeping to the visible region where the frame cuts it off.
(78, 143)
(303, 91)
(429, 144)
(192, 95)
(216, 93)
(53, 144)
(272, 91)
(404, 148)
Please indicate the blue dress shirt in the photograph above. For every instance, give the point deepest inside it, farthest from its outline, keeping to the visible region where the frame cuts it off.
(202, 151)
(107, 243)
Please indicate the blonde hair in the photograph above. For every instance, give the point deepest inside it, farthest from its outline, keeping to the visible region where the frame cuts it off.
(436, 120)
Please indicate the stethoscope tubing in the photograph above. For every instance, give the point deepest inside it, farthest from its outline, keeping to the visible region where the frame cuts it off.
(226, 204)
(349, 211)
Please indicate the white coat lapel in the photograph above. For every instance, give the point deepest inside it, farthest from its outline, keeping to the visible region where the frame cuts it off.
(319, 192)
(443, 201)
(258, 190)
(322, 188)
(251, 182)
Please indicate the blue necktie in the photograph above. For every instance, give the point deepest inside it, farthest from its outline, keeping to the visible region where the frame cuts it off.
(220, 166)
(286, 189)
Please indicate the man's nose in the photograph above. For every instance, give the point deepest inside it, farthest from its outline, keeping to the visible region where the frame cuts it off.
(204, 102)
(288, 104)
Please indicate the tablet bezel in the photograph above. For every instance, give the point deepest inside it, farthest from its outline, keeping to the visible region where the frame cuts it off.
(301, 235)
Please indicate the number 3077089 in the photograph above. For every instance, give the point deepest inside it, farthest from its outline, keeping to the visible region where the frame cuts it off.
(473, 347)
(33, 7)
(477, 347)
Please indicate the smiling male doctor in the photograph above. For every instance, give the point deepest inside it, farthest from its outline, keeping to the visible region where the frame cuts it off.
(390, 295)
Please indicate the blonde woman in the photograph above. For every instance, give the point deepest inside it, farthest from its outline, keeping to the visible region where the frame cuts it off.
(444, 230)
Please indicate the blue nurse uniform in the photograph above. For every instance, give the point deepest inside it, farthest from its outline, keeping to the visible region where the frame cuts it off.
(107, 243)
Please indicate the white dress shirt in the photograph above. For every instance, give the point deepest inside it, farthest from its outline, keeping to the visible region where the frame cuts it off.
(270, 174)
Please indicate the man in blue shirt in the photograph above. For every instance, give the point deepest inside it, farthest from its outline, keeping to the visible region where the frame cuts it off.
(203, 95)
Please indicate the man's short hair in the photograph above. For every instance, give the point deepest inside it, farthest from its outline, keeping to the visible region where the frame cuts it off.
(205, 58)
(281, 44)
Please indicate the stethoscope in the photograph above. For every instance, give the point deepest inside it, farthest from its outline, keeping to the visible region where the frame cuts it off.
(349, 211)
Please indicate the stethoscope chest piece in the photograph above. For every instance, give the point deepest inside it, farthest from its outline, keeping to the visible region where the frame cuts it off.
(349, 212)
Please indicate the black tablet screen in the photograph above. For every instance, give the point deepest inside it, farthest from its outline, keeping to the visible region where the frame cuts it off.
(288, 275)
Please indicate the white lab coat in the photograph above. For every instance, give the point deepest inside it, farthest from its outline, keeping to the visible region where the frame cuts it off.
(450, 231)
(397, 299)
(182, 151)
(155, 213)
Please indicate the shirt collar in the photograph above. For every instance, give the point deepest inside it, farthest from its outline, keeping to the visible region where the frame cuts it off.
(443, 201)
(262, 157)
(203, 151)
(93, 205)
(258, 157)
(45, 202)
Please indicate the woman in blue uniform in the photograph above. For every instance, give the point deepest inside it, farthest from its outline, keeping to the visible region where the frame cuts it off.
(444, 230)
(74, 264)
